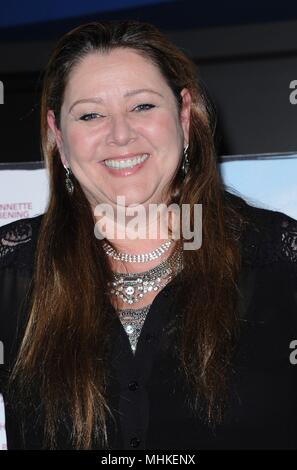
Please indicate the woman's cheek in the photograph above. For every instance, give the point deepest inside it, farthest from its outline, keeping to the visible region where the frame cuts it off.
(79, 143)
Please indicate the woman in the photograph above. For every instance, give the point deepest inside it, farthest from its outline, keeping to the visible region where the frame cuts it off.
(201, 359)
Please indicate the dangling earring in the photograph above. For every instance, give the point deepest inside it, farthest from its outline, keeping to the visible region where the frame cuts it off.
(186, 163)
(68, 181)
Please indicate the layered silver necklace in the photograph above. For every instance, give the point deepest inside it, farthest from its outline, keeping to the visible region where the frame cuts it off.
(132, 287)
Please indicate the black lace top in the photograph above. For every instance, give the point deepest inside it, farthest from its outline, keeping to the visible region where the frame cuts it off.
(147, 394)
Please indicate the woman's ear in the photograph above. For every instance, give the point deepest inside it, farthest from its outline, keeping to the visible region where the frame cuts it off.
(185, 113)
(56, 135)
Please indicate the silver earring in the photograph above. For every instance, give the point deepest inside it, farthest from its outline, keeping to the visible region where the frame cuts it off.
(186, 163)
(68, 181)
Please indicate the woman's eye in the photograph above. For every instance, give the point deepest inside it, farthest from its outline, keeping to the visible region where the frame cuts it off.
(144, 107)
(89, 117)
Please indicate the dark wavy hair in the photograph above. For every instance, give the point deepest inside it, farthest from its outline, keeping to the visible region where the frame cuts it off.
(64, 353)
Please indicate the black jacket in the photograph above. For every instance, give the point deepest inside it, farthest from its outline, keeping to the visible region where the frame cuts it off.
(147, 392)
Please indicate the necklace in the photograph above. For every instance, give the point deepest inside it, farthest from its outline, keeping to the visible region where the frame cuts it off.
(132, 287)
(141, 258)
(132, 321)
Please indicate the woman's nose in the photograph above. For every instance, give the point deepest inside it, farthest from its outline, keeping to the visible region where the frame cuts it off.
(120, 131)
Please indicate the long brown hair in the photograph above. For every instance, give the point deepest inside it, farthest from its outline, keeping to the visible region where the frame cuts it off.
(64, 351)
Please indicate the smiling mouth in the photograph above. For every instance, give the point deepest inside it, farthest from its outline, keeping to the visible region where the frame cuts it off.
(120, 164)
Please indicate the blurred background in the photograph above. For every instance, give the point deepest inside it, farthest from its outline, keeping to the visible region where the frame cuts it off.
(246, 56)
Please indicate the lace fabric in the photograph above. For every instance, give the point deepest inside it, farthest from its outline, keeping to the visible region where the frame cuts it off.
(13, 236)
(271, 237)
(289, 240)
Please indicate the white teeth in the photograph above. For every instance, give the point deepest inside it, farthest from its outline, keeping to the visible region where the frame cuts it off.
(119, 164)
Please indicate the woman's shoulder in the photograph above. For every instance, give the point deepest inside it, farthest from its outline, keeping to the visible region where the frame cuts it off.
(18, 239)
(269, 236)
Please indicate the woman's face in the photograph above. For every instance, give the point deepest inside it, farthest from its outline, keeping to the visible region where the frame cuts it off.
(118, 107)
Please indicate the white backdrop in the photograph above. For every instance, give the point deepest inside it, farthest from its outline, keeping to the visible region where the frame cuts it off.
(23, 191)
(268, 181)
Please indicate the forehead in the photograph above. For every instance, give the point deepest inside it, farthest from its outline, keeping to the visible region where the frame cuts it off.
(120, 69)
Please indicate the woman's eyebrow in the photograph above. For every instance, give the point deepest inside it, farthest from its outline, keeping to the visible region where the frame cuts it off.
(127, 94)
(142, 90)
(85, 100)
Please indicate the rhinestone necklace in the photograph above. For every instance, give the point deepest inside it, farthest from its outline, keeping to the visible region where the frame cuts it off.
(141, 258)
(132, 321)
(132, 287)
